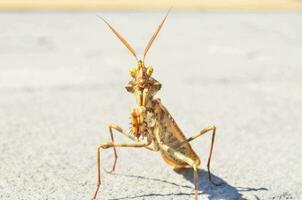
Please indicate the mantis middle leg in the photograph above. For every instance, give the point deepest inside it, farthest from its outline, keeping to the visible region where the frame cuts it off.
(112, 126)
(111, 145)
(120, 130)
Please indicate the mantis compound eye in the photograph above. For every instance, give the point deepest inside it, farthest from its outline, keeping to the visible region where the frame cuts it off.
(133, 71)
(149, 71)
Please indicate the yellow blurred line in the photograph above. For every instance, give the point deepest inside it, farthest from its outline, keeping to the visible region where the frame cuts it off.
(249, 5)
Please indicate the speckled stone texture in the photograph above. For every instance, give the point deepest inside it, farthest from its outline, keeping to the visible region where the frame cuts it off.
(62, 78)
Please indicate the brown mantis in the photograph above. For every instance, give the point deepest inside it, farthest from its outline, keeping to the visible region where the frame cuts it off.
(152, 127)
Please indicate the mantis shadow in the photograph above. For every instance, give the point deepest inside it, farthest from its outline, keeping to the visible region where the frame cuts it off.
(223, 191)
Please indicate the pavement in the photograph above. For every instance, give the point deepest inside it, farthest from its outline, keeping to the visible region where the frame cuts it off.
(62, 78)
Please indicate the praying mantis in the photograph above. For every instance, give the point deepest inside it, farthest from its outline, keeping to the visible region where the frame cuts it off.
(151, 125)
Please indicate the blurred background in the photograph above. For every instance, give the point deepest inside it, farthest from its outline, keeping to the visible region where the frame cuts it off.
(235, 64)
(151, 5)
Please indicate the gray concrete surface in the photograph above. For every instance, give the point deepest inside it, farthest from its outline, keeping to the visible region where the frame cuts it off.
(62, 78)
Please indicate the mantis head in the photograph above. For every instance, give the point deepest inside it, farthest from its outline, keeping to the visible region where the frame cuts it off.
(142, 84)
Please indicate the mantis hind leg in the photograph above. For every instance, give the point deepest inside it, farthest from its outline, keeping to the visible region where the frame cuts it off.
(190, 161)
(203, 131)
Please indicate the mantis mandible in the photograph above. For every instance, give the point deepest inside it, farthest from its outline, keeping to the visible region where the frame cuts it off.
(152, 126)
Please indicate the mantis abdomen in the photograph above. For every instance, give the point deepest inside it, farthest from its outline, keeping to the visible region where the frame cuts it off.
(172, 136)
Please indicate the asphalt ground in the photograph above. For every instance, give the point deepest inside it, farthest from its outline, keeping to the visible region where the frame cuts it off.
(62, 78)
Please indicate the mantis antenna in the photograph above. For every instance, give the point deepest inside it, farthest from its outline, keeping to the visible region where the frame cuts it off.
(155, 34)
(121, 38)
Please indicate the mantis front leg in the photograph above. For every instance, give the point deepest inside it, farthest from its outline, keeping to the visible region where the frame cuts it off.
(111, 145)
